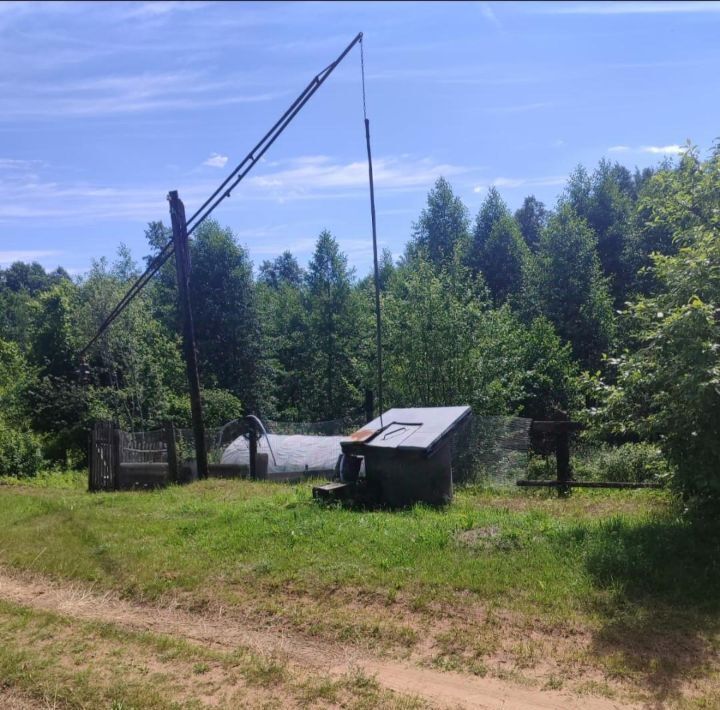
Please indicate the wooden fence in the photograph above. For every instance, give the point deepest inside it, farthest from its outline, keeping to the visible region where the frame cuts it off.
(121, 460)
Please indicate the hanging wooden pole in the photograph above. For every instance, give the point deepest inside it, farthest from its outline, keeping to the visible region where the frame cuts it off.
(376, 270)
(182, 263)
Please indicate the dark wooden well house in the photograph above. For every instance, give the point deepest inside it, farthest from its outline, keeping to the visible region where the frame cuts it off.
(406, 455)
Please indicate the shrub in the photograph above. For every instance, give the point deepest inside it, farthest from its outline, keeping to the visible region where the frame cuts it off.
(632, 462)
(20, 452)
(219, 407)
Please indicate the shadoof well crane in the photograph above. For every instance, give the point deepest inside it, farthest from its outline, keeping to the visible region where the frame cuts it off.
(182, 228)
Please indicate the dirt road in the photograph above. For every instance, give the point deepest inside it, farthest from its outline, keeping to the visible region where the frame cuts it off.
(217, 630)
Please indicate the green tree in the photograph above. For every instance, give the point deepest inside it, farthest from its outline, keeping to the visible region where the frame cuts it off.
(281, 304)
(605, 201)
(492, 210)
(668, 385)
(228, 331)
(442, 227)
(565, 284)
(20, 286)
(284, 269)
(431, 327)
(661, 212)
(503, 258)
(330, 381)
(532, 218)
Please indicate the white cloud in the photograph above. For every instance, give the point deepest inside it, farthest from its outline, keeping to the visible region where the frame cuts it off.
(160, 7)
(625, 8)
(216, 160)
(37, 197)
(124, 94)
(663, 149)
(512, 183)
(305, 176)
(489, 14)
(654, 149)
(8, 257)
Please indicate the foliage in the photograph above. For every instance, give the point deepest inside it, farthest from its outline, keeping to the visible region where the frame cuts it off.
(445, 345)
(668, 387)
(492, 210)
(20, 452)
(219, 408)
(502, 259)
(430, 331)
(635, 462)
(330, 381)
(442, 227)
(16, 378)
(564, 283)
(532, 218)
(282, 270)
(604, 199)
(225, 313)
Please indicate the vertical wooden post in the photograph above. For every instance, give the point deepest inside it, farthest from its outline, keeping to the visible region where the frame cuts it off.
(171, 452)
(369, 405)
(562, 457)
(115, 456)
(252, 445)
(182, 263)
(91, 459)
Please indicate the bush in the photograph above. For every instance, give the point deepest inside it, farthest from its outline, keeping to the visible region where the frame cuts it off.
(219, 408)
(20, 453)
(632, 462)
(635, 463)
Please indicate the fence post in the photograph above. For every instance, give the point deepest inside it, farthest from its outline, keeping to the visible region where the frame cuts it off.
(252, 445)
(171, 452)
(91, 457)
(115, 457)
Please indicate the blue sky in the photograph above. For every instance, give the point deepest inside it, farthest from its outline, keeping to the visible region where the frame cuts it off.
(106, 107)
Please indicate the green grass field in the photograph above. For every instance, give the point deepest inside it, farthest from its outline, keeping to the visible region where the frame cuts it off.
(605, 592)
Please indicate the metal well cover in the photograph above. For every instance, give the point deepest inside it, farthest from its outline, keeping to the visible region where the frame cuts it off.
(418, 429)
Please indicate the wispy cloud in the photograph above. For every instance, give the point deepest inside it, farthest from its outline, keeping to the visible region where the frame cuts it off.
(124, 94)
(307, 175)
(488, 13)
(9, 257)
(663, 149)
(26, 195)
(159, 8)
(512, 183)
(673, 149)
(216, 161)
(625, 8)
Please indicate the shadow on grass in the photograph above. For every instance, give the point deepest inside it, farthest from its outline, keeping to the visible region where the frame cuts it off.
(661, 605)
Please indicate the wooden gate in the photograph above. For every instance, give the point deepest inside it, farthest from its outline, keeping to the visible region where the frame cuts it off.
(104, 457)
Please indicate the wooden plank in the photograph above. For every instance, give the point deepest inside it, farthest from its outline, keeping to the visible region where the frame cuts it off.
(332, 491)
(114, 464)
(171, 452)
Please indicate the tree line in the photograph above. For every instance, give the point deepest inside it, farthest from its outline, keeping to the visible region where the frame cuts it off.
(605, 306)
